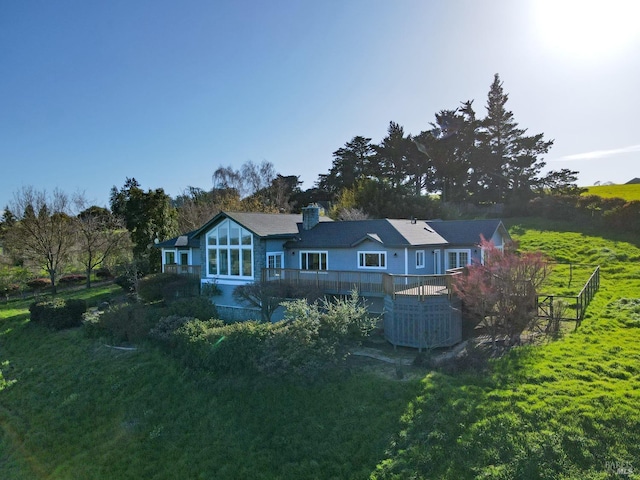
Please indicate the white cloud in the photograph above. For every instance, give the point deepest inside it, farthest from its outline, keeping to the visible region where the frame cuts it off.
(601, 153)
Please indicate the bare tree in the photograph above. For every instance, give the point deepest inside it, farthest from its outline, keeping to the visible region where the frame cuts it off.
(247, 180)
(268, 295)
(44, 230)
(99, 234)
(225, 178)
(257, 177)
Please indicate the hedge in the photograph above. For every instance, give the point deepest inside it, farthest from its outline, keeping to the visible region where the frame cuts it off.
(58, 314)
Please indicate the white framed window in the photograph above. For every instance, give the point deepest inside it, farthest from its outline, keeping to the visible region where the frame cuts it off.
(372, 259)
(420, 259)
(313, 260)
(275, 264)
(230, 251)
(275, 259)
(457, 258)
(169, 257)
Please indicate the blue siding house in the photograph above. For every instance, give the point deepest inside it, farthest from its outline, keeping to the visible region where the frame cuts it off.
(402, 268)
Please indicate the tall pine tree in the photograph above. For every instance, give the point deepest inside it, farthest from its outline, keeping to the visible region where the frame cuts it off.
(508, 165)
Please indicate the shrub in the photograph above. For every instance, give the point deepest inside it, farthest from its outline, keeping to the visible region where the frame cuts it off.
(104, 273)
(199, 307)
(295, 348)
(167, 287)
(346, 319)
(39, 283)
(164, 330)
(58, 314)
(10, 288)
(73, 278)
(126, 282)
(624, 217)
(311, 338)
(128, 323)
(555, 207)
(38, 310)
(232, 348)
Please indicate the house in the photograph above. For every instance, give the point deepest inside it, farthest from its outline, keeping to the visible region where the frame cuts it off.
(401, 267)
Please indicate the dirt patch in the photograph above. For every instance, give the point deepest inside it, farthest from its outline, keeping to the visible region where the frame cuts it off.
(374, 366)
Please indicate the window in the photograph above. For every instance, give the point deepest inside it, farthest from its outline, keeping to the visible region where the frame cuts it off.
(275, 263)
(372, 259)
(169, 258)
(457, 258)
(275, 260)
(420, 259)
(230, 251)
(313, 260)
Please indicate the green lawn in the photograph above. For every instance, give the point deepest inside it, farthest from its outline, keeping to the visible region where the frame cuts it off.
(568, 409)
(565, 410)
(81, 410)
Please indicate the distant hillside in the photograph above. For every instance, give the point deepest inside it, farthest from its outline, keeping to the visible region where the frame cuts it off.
(635, 181)
(628, 191)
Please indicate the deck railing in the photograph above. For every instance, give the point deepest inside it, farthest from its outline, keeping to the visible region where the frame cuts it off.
(191, 270)
(367, 283)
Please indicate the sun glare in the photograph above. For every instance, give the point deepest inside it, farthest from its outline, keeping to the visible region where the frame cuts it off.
(587, 29)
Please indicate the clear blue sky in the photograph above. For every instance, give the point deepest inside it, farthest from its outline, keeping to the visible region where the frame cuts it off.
(167, 91)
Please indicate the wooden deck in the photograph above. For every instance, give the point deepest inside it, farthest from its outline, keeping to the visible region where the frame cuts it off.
(191, 270)
(366, 283)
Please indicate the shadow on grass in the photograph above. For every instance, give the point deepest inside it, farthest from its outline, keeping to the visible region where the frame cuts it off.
(492, 426)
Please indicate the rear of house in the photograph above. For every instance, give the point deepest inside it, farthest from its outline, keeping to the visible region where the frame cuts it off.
(393, 263)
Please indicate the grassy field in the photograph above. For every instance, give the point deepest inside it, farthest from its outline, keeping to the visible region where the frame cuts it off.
(568, 409)
(627, 192)
(565, 410)
(81, 410)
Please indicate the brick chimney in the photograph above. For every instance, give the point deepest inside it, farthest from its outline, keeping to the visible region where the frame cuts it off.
(310, 216)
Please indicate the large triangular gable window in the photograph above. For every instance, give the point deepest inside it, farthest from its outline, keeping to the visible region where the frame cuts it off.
(229, 251)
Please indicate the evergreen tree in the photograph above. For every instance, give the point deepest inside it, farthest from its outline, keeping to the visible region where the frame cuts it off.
(509, 162)
(392, 156)
(149, 216)
(351, 163)
(451, 146)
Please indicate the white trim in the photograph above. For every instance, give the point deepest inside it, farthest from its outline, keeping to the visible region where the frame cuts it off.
(362, 259)
(275, 254)
(437, 262)
(423, 263)
(164, 258)
(457, 251)
(180, 253)
(406, 261)
(319, 252)
(241, 248)
(277, 273)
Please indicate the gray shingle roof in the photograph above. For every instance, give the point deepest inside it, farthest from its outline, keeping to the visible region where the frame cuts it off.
(391, 233)
(263, 224)
(328, 234)
(186, 240)
(467, 232)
